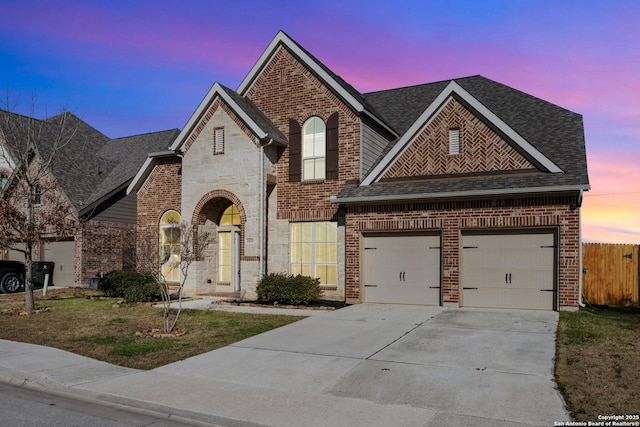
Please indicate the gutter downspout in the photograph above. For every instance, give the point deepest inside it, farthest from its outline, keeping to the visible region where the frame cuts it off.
(580, 302)
(263, 202)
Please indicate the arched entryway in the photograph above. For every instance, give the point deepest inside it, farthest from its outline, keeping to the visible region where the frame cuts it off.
(221, 214)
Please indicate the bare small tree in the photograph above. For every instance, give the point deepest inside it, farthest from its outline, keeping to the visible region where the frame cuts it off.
(33, 207)
(192, 242)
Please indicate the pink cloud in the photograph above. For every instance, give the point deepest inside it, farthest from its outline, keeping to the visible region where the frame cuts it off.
(610, 209)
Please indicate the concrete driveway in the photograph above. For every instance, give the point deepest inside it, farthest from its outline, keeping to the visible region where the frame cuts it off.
(370, 365)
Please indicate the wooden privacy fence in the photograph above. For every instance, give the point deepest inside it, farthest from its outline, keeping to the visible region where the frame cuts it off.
(610, 274)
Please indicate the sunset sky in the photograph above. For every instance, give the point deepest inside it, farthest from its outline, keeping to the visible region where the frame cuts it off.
(130, 67)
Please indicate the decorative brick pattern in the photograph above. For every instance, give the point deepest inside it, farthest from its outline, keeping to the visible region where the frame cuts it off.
(199, 217)
(452, 218)
(287, 90)
(481, 149)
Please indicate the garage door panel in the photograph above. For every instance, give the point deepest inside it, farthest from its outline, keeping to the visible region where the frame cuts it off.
(402, 269)
(508, 298)
(62, 254)
(508, 270)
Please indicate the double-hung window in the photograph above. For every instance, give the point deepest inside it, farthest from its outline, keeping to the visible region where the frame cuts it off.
(314, 251)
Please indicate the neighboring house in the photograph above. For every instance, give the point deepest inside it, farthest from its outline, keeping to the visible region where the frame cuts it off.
(464, 192)
(92, 172)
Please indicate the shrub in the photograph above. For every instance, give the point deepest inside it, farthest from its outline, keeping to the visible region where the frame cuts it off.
(288, 289)
(130, 285)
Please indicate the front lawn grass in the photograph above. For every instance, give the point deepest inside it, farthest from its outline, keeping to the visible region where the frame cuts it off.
(80, 321)
(598, 361)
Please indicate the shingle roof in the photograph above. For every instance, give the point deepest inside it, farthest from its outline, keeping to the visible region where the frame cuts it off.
(256, 115)
(87, 165)
(556, 132)
(126, 155)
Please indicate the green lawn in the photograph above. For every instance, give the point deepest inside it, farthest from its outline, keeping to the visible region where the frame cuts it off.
(79, 321)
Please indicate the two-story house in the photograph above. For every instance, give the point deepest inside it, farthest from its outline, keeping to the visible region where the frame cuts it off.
(89, 173)
(463, 192)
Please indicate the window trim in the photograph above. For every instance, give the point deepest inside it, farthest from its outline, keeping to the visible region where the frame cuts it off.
(454, 141)
(314, 158)
(232, 212)
(37, 194)
(218, 140)
(164, 225)
(314, 263)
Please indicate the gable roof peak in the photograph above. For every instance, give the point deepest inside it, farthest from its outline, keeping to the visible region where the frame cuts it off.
(431, 111)
(347, 93)
(241, 106)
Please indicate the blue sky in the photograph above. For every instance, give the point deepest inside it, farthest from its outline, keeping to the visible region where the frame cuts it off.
(129, 67)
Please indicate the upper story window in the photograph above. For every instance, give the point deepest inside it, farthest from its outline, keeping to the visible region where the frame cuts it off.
(37, 194)
(454, 141)
(218, 140)
(314, 149)
(314, 136)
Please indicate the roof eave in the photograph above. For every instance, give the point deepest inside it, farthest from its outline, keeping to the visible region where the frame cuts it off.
(458, 194)
(218, 90)
(285, 40)
(94, 204)
(145, 170)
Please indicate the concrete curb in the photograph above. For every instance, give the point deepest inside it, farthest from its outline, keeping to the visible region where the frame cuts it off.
(17, 379)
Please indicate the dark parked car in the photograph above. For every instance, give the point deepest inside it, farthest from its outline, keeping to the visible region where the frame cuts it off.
(12, 274)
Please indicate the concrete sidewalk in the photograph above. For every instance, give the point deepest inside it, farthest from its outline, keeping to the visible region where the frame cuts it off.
(364, 365)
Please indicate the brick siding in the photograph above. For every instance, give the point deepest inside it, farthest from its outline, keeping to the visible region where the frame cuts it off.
(286, 90)
(452, 218)
(481, 149)
(161, 192)
(104, 246)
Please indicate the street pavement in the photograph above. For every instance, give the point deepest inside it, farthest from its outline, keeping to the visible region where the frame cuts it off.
(363, 365)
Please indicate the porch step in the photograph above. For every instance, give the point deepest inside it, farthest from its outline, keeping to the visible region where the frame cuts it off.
(229, 295)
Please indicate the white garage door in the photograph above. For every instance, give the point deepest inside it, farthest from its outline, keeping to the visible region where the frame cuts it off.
(508, 271)
(401, 269)
(62, 254)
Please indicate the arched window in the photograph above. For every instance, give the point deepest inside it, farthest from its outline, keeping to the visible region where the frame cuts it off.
(230, 216)
(170, 246)
(314, 137)
(37, 194)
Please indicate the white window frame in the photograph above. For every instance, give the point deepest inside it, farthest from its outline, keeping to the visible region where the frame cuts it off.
(228, 228)
(295, 266)
(218, 140)
(173, 263)
(454, 141)
(314, 150)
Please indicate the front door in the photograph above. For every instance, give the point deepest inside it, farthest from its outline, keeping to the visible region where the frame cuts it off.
(228, 279)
